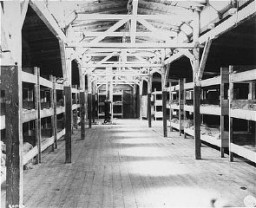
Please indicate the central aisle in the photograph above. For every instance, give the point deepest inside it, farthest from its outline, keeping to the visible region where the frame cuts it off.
(130, 165)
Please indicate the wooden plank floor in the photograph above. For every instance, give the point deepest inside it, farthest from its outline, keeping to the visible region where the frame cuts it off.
(130, 165)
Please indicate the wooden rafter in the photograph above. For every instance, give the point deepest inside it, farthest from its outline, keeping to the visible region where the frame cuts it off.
(133, 20)
(45, 15)
(110, 30)
(133, 46)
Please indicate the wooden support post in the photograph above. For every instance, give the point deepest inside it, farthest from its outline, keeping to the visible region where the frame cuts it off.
(231, 120)
(68, 124)
(140, 98)
(222, 118)
(93, 108)
(89, 100)
(75, 115)
(38, 120)
(171, 98)
(181, 104)
(90, 109)
(164, 99)
(149, 101)
(197, 121)
(149, 110)
(82, 111)
(52, 107)
(11, 83)
(55, 127)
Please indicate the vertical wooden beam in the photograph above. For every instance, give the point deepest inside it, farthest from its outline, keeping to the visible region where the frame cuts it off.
(149, 101)
(55, 113)
(231, 120)
(52, 107)
(164, 99)
(197, 121)
(181, 104)
(38, 120)
(197, 89)
(75, 116)
(222, 117)
(89, 100)
(140, 98)
(82, 110)
(11, 81)
(68, 122)
(171, 98)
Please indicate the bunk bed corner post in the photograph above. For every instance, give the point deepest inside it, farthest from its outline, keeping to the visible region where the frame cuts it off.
(55, 113)
(52, 107)
(11, 80)
(68, 122)
(38, 121)
(231, 97)
(197, 121)
(149, 101)
(82, 106)
(140, 97)
(89, 109)
(164, 99)
(170, 94)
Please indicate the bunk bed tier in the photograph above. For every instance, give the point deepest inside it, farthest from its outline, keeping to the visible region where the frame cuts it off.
(175, 106)
(30, 153)
(28, 115)
(2, 118)
(211, 139)
(158, 102)
(243, 76)
(60, 109)
(243, 109)
(209, 109)
(75, 106)
(46, 83)
(243, 114)
(28, 77)
(46, 113)
(158, 114)
(177, 126)
(244, 145)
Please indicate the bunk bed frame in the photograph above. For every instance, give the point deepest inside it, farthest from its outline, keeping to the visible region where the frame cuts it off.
(42, 138)
(220, 110)
(242, 143)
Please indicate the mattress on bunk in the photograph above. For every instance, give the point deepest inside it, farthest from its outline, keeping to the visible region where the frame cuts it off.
(26, 148)
(209, 131)
(245, 140)
(244, 104)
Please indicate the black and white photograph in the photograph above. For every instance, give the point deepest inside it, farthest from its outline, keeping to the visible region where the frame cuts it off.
(128, 103)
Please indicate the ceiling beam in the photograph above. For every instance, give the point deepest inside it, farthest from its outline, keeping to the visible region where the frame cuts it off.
(92, 65)
(233, 21)
(41, 10)
(133, 46)
(110, 30)
(133, 20)
(242, 15)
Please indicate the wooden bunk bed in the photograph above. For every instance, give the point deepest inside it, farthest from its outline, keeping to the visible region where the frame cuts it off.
(36, 107)
(242, 110)
(215, 135)
(177, 106)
